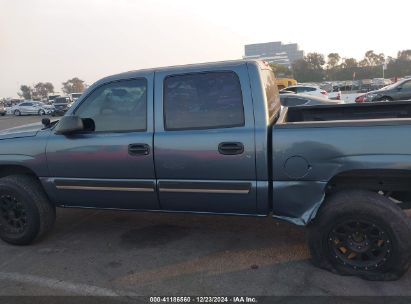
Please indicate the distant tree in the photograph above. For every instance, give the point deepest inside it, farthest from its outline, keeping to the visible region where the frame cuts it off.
(25, 92)
(349, 63)
(281, 70)
(333, 60)
(373, 59)
(404, 55)
(364, 63)
(316, 61)
(74, 85)
(310, 68)
(390, 59)
(401, 66)
(42, 90)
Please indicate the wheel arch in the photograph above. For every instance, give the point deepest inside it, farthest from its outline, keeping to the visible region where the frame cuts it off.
(289, 206)
(386, 97)
(371, 179)
(6, 170)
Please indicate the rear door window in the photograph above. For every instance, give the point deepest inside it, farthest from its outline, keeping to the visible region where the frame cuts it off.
(203, 101)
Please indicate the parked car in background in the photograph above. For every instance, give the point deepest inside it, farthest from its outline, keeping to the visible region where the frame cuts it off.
(293, 100)
(360, 98)
(333, 91)
(48, 109)
(30, 107)
(2, 110)
(51, 98)
(334, 94)
(400, 90)
(308, 90)
(75, 96)
(61, 105)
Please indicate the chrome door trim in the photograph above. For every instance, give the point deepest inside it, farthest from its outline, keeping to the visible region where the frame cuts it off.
(89, 184)
(228, 191)
(218, 187)
(127, 189)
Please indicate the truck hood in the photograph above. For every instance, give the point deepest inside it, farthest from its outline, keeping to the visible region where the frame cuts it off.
(21, 131)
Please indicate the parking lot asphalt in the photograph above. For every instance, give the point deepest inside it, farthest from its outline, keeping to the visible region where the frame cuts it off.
(11, 121)
(107, 253)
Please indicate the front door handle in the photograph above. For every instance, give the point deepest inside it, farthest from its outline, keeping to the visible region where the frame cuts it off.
(231, 148)
(138, 149)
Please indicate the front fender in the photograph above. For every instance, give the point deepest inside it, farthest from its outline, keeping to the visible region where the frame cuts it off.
(26, 152)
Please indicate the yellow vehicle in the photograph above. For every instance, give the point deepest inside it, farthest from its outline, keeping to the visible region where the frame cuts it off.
(285, 82)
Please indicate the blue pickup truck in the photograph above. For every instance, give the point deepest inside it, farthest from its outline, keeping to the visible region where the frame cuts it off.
(212, 138)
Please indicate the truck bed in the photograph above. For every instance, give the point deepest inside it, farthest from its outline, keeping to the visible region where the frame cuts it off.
(344, 112)
(313, 145)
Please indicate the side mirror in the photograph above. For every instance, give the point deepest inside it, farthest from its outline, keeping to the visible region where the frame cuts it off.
(399, 88)
(46, 122)
(69, 125)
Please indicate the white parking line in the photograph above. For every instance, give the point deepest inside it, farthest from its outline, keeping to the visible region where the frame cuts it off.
(69, 287)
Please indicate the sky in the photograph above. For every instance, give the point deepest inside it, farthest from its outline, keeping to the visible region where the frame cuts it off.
(55, 40)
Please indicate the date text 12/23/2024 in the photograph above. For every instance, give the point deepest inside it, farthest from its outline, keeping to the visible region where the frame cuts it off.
(204, 299)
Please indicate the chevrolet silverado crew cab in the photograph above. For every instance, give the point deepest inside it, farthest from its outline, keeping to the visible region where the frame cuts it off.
(212, 138)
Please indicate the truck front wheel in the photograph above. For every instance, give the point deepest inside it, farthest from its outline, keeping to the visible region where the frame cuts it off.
(25, 211)
(361, 233)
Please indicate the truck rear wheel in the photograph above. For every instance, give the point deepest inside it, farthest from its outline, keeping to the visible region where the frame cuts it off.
(25, 211)
(361, 233)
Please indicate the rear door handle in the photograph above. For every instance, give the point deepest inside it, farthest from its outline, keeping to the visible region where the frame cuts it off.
(138, 149)
(231, 148)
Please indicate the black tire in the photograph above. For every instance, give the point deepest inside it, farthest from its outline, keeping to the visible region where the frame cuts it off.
(41, 112)
(17, 113)
(377, 229)
(26, 214)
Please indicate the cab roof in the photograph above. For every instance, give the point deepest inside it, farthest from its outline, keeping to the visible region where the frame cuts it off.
(177, 68)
